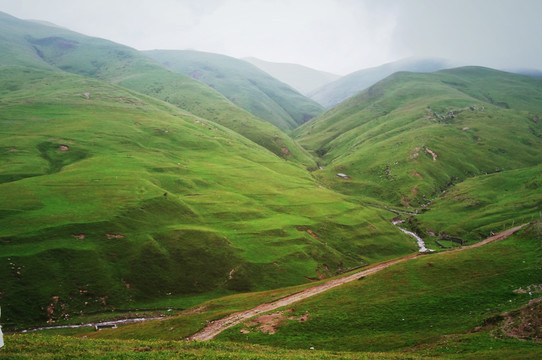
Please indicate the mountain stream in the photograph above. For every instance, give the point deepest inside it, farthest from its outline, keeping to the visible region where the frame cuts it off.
(421, 243)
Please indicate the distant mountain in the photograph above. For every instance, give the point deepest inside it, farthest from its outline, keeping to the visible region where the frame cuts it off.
(29, 43)
(341, 89)
(410, 136)
(302, 78)
(243, 84)
(529, 72)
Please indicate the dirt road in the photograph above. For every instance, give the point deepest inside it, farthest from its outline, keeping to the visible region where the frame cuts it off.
(216, 327)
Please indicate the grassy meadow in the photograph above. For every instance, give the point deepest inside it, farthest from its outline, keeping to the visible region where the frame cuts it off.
(411, 136)
(436, 305)
(127, 200)
(129, 189)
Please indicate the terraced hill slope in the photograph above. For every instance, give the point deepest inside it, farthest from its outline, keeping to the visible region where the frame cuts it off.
(243, 84)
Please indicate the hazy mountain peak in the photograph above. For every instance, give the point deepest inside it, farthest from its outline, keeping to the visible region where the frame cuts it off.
(302, 78)
(339, 90)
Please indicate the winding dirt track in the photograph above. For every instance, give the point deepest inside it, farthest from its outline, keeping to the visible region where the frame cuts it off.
(216, 327)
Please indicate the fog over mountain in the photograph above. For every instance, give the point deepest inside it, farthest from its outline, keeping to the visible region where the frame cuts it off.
(338, 36)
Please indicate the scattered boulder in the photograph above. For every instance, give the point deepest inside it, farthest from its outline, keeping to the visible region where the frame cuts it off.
(285, 151)
(432, 153)
(114, 236)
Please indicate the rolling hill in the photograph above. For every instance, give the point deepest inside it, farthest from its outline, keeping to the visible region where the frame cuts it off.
(112, 198)
(34, 44)
(243, 84)
(459, 305)
(115, 199)
(411, 136)
(131, 190)
(302, 78)
(335, 92)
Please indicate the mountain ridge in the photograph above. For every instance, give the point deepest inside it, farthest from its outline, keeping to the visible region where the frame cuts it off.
(300, 77)
(341, 89)
(243, 84)
(56, 48)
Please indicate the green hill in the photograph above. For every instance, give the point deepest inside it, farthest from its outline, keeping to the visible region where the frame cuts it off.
(302, 78)
(411, 136)
(37, 45)
(243, 84)
(129, 189)
(112, 199)
(482, 205)
(443, 306)
(477, 302)
(335, 92)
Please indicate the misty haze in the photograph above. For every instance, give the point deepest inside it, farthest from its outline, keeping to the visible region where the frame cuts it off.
(285, 179)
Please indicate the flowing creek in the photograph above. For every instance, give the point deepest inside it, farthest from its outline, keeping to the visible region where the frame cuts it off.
(421, 243)
(98, 325)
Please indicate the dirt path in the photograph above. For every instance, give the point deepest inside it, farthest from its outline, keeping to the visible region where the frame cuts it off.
(216, 327)
(500, 236)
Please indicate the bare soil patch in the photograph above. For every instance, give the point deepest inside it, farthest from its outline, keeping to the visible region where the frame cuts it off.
(525, 323)
(416, 174)
(270, 323)
(114, 236)
(522, 324)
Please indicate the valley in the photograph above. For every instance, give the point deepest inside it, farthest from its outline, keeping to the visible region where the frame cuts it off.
(397, 215)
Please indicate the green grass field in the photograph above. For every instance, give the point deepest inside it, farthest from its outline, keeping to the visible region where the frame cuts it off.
(53, 48)
(50, 347)
(129, 190)
(411, 136)
(430, 306)
(127, 200)
(486, 204)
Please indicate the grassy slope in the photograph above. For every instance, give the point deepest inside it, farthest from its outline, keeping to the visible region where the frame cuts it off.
(39, 346)
(243, 84)
(381, 137)
(38, 45)
(427, 306)
(230, 203)
(264, 207)
(484, 204)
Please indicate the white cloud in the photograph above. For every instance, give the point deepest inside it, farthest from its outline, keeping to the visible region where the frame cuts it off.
(334, 35)
(496, 33)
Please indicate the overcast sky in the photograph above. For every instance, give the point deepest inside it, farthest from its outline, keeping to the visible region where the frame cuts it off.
(338, 36)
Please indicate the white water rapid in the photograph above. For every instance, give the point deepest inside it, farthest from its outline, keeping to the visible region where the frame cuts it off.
(421, 244)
